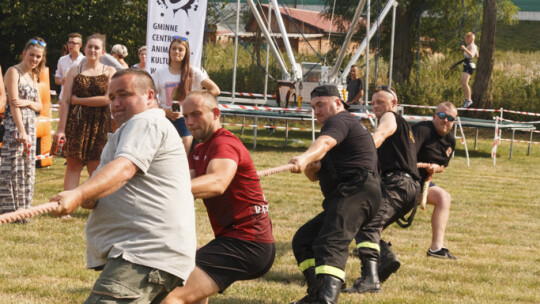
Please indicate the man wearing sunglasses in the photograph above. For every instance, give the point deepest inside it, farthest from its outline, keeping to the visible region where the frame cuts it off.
(400, 186)
(435, 144)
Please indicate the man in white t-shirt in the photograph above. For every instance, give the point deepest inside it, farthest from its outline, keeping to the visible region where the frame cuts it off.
(141, 230)
(65, 62)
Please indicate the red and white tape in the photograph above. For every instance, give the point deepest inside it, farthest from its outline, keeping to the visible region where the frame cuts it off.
(248, 94)
(268, 127)
(519, 141)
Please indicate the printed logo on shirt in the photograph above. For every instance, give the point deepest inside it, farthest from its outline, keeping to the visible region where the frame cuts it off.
(261, 209)
(448, 151)
(196, 157)
(411, 136)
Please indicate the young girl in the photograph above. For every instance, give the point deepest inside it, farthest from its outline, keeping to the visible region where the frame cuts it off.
(176, 81)
(469, 52)
(17, 172)
(85, 118)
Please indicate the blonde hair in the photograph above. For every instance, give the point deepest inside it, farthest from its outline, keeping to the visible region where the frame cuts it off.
(37, 70)
(120, 50)
(469, 35)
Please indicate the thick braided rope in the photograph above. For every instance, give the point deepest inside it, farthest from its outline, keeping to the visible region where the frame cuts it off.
(24, 213)
(425, 187)
(275, 170)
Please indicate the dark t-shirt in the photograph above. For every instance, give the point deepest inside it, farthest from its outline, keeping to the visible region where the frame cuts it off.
(353, 88)
(355, 151)
(398, 152)
(431, 147)
(241, 212)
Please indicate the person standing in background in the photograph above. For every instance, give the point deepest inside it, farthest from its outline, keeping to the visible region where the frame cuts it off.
(85, 117)
(17, 171)
(120, 52)
(74, 57)
(355, 88)
(142, 58)
(175, 81)
(470, 51)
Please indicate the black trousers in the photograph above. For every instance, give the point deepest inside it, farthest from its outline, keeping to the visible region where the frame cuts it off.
(324, 240)
(400, 194)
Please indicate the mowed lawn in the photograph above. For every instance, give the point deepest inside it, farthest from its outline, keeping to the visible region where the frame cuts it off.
(494, 229)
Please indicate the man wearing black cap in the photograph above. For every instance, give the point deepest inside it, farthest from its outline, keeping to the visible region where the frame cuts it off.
(344, 160)
(400, 188)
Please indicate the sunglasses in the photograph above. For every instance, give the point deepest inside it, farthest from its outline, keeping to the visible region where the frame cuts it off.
(386, 89)
(179, 38)
(443, 115)
(38, 42)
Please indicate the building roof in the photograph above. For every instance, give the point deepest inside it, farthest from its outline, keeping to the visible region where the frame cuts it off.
(312, 18)
(528, 5)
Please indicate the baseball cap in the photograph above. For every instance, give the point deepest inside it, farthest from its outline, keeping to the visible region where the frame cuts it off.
(327, 90)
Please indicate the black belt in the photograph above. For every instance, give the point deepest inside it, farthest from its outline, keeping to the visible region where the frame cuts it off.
(396, 173)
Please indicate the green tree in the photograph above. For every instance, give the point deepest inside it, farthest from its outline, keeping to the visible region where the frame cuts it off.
(440, 24)
(123, 22)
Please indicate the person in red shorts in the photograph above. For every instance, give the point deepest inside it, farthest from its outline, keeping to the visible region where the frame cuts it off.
(223, 175)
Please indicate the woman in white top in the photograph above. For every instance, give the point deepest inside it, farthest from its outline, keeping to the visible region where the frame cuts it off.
(176, 81)
(470, 51)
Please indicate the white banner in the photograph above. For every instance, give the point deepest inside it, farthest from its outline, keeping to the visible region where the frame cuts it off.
(170, 18)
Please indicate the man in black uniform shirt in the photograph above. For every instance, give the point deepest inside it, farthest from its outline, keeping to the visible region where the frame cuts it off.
(344, 160)
(435, 144)
(400, 185)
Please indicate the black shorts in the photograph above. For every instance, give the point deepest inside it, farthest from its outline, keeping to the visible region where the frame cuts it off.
(468, 68)
(227, 260)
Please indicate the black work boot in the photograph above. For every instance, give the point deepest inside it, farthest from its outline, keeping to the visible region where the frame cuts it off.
(369, 281)
(312, 284)
(329, 289)
(389, 261)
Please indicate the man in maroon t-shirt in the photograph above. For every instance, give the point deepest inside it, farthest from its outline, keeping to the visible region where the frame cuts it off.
(223, 175)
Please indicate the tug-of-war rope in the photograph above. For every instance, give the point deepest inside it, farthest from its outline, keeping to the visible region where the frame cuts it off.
(25, 213)
(48, 207)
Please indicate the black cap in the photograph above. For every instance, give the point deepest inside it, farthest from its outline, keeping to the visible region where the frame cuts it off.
(327, 90)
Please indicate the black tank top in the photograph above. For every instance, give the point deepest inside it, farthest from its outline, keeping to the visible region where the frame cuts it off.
(398, 152)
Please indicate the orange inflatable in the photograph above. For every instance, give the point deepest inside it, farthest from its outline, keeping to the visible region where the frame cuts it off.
(43, 124)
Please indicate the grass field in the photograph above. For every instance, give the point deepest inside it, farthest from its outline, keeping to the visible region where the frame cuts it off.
(494, 230)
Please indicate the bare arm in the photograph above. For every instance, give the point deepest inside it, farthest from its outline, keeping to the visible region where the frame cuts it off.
(316, 152)
(64, 105)
(357, 97)
(312, 169)
(387, 126)
(430, 168)
(104, 182)
(12, 80)
(36, 106)
(2, 92)
(470, 53)
(218, 177)
(211, 86)
(95, 101)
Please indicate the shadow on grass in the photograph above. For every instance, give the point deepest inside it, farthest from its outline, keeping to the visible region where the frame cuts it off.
(474, 153)
(283, 277)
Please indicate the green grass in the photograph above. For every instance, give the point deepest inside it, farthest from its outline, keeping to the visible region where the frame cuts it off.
(494, 229)
(523, 36)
